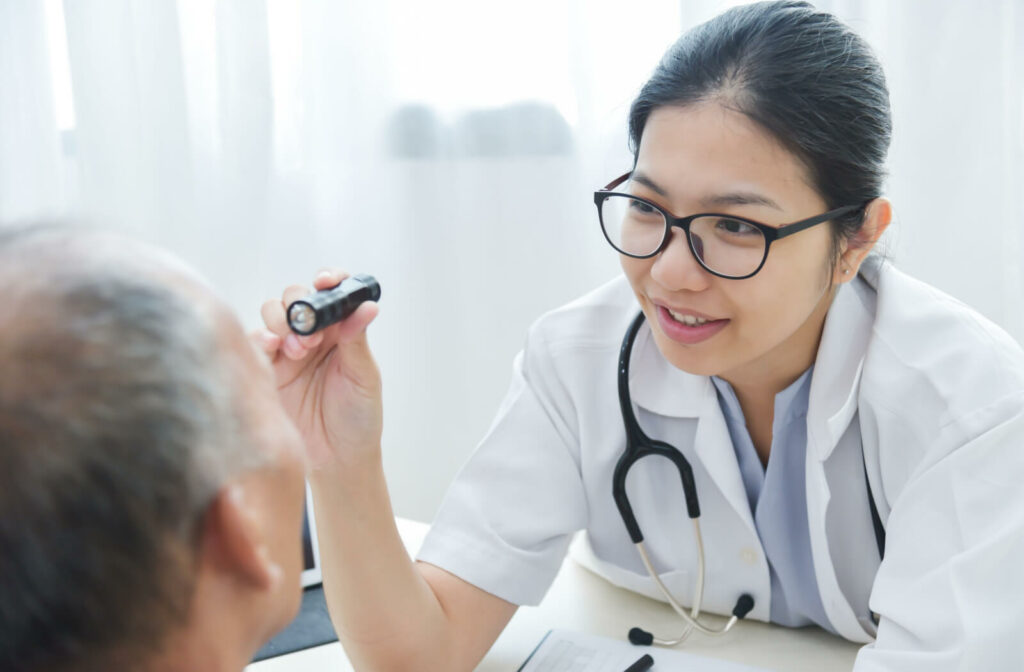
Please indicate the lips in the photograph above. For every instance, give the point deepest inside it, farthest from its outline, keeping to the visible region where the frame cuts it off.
(688, 327)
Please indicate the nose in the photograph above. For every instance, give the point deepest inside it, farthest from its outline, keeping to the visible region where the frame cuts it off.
(675, 268)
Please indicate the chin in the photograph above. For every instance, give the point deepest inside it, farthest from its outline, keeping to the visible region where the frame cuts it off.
(695, 368)
(694, 360)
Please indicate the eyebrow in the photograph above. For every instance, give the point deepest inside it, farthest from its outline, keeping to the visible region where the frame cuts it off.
(647, 182)
(731, 198)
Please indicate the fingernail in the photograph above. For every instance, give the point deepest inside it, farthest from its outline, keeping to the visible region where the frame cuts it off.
(324, 275)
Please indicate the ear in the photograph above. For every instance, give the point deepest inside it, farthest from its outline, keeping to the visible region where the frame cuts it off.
(234, 540)
(877, 217)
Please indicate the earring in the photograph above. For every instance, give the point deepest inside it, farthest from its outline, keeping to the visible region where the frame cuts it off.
(846, 271)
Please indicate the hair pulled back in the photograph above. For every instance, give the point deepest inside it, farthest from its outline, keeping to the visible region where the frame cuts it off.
(803, 76)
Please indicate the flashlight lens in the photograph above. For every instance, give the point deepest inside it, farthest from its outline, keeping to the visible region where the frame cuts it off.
(302, 318)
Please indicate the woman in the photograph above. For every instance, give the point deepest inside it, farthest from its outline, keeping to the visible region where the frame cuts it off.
(832, 409)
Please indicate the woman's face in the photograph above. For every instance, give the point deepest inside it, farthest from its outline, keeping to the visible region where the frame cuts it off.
(762, 330)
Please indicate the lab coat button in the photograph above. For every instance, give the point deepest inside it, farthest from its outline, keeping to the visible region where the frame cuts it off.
(749, 556)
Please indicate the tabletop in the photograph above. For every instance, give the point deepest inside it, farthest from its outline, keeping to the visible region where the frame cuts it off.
(581, 600)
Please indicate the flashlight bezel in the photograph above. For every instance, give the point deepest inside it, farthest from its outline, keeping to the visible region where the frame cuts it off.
(291, 323)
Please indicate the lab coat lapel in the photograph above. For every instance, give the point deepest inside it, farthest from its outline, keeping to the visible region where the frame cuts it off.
(838, 366)
(835, 386)
(661, 388)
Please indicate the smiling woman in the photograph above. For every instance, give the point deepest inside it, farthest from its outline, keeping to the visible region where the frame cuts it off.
(855, 426)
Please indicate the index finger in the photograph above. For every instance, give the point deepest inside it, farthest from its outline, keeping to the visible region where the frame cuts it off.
(329, 277)
(273, 313)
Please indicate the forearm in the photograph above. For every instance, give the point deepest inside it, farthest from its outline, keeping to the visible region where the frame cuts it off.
(384, 612)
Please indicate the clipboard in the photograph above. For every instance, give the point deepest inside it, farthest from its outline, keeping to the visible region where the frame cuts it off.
(571, 651)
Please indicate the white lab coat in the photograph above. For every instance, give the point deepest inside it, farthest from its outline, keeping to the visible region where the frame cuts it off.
(932, 391)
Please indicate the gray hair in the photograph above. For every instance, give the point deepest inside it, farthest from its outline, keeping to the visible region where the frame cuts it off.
(118, 424)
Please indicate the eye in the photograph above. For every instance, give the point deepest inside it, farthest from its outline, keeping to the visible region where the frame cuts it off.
(736, 227)
(642, 207)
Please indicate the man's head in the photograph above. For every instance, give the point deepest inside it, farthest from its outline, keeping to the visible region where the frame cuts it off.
(151, 485)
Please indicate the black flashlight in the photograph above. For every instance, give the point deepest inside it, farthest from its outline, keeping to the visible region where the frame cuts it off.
(328, 306)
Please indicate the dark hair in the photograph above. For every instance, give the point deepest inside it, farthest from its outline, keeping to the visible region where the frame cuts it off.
(800, 74)
(108, 399)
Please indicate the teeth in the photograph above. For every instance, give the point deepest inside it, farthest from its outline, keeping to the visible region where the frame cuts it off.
(688, 320)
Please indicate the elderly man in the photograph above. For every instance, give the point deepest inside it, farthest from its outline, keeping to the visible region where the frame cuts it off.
(151, 485)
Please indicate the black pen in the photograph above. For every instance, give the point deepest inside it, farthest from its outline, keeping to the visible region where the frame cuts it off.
(641, 665)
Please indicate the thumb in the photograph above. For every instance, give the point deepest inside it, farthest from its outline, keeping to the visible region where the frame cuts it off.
(354, 326)
(355, 357)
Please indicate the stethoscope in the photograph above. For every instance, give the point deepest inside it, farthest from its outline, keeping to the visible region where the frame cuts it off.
(639, 446)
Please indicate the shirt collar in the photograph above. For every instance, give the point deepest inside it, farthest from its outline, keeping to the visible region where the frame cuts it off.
(790, 402)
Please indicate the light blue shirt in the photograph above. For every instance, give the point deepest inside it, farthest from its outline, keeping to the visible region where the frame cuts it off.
(778, 501)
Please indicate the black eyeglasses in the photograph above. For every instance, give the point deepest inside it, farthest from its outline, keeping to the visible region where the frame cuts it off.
(725, 245)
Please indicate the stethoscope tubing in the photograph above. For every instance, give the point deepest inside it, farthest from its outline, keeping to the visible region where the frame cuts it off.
(638, 446)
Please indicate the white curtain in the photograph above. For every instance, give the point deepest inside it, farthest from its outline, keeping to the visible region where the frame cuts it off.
(450, 149)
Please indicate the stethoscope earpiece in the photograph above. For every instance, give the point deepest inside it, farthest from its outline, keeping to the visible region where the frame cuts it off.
(640, 637)
(743, 606)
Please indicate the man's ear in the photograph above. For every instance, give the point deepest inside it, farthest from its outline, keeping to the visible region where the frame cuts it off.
(234, 539)
(877, 217)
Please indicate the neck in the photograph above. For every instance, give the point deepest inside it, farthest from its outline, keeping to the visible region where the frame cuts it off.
(757, 383)
(221, 634)
(194, 653)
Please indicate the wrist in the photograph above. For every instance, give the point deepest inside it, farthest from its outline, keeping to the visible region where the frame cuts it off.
(351, 495)
(350, 467)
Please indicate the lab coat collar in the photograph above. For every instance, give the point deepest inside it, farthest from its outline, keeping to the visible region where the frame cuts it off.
(658, 386)
(835, 384)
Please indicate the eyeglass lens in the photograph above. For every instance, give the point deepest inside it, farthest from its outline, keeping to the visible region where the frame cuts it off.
(726, 246)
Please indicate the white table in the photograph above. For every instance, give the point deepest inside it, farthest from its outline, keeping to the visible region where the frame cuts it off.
(580, 600)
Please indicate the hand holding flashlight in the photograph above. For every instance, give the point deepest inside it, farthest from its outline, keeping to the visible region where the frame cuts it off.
(327, 380)
(330, 306)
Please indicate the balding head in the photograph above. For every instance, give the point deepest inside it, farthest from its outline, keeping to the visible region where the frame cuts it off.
(123, 411)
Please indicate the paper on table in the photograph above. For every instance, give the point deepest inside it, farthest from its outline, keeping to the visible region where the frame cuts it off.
(570, 651)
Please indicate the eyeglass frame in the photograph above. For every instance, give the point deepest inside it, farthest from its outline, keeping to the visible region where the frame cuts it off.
(770, 233)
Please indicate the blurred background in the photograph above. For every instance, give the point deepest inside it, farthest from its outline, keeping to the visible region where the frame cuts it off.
(450, 148)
